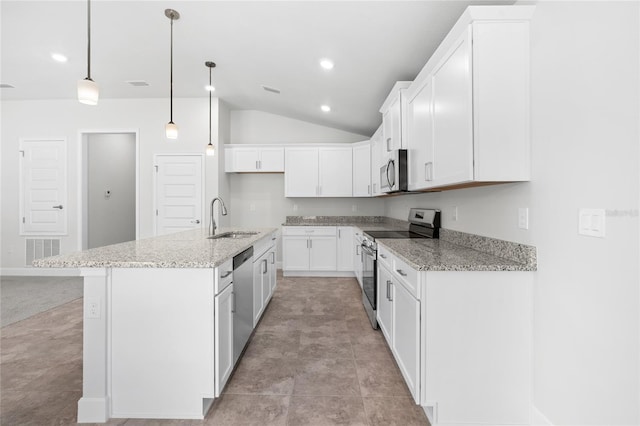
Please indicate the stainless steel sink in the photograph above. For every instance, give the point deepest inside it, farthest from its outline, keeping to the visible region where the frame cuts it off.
(233, 234)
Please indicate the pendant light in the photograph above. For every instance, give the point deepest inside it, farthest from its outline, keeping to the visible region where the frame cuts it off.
(88, 89)
(171, 128)
(210, 149)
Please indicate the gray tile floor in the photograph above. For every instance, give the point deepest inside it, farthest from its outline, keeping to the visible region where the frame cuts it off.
(313, 360)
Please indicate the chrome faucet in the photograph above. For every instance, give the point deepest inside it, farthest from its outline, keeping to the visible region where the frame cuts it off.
(212, 222)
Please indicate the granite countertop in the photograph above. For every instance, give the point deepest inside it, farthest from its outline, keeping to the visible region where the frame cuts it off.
(187, 249)
(453, 251)
(438, 255)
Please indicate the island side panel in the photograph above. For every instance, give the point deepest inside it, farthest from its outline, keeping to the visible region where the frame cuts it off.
(93, 407)
(162, 342)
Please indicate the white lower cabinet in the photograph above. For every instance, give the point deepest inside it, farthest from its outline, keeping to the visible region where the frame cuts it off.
(223, 306)
(398, 314)
(309, 249)
(344, 248)
(264, 275)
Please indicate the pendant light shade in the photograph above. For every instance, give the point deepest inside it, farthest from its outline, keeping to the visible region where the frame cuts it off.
(171, 129)
(88, 91)
(210, 151)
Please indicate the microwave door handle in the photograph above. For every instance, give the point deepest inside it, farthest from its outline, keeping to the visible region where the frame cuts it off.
(390, 164)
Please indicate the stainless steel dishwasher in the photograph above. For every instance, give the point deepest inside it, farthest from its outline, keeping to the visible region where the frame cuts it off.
(243, 294)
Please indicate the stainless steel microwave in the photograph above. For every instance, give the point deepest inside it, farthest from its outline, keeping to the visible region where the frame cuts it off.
(393, 175)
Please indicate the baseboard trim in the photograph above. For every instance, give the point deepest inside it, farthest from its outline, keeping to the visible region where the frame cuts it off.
(335, 274)
(92, 410)
(539, 419)
(40, 272)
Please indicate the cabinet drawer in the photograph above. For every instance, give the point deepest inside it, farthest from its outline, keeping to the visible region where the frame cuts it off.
(407, 276)
(385, 257)
(260, 247)
(224, 276)
(309, 230)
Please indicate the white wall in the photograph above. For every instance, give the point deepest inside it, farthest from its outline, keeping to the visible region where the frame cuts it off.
(251, 126)
(66, 118)
(585, 133)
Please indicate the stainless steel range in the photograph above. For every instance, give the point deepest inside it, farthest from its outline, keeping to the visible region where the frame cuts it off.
(424, 223)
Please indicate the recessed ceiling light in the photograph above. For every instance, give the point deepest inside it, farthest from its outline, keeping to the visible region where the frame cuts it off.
(209, 88)
(6, 86)
(325, 108)
(327, 64)
(58, 57)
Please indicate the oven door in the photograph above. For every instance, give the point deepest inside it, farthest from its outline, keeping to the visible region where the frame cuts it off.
(369, 275)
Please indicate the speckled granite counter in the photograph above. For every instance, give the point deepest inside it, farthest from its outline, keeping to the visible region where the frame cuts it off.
(187, 249)
(454, 251)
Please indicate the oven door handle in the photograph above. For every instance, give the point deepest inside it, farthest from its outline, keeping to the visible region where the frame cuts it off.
(368, 251)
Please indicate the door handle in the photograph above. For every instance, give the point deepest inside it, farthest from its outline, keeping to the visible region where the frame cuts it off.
(195, 221)
(273, 257)
(388, 287)
(58, 207)
(264, 267)
(388, 146)
(390, 298)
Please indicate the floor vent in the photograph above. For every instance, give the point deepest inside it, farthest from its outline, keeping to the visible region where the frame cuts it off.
(37, 248)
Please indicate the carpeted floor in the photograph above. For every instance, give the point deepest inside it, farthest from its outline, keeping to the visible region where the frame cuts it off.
(23, 297)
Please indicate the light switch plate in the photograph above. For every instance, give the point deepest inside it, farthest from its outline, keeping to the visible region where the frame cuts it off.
(591, 222)
(523, 218)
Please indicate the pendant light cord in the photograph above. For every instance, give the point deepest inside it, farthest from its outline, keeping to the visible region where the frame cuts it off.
(210, 105)
(171, 76)
(88, 39)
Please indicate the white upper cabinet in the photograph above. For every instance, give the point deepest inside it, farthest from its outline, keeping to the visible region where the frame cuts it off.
(467, 112)
(318, 171)
(362, 169)
(247, 159)
(393, 119)
(376, 161)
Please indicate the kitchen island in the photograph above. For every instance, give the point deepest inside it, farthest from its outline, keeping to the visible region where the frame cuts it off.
(154, 345)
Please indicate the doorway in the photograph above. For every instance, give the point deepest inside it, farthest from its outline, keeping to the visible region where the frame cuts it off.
(109, 188)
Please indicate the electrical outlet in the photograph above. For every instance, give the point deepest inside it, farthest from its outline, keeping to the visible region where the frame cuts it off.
(454, 215)
(354, 208)
(523, 218)
(93, 308)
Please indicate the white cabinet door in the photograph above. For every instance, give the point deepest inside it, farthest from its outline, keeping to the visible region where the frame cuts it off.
(301, 172)
(452, 116)
(322, 254)
(420, 136)
(258, 278)
(335, 172)
(362, 170)
(406, 336)
(295, 254)
(391, 126)
(223, 338)
(271, 159)
(345, 248)
(385, 306)
(376, 161)
(245, 159)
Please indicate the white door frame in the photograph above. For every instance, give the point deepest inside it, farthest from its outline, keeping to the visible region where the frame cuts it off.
(155, 183)
(82, 179)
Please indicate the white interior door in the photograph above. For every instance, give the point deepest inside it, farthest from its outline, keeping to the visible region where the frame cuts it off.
(43, 187)
(178, 192)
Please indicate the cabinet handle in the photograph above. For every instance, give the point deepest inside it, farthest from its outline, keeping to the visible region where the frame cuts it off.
(390, 298)
(273, 257)
(428, 171)
(369, 189)
(226, 274)
(357, 251)
(233, 302)
(382, 256)
(310, 244)
(374, 187)
(307, 243)
(339, 234)
(257, 165)
(388, 290)
(260, 164)
(401, 272)
(388, 144)
(264, 268)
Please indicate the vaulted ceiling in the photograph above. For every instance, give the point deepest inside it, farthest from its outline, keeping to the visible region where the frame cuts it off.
(254, 44)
